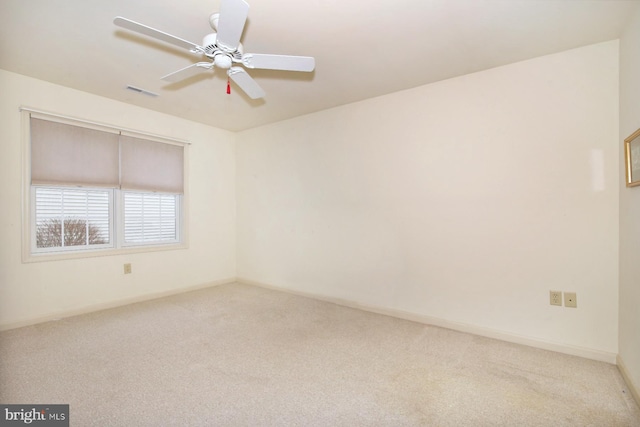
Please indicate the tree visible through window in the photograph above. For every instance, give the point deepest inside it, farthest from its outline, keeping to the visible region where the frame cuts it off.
(94, 188)
(76, 232)
(71, 217)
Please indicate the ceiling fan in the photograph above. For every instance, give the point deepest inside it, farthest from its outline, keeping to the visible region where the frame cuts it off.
(223, 49)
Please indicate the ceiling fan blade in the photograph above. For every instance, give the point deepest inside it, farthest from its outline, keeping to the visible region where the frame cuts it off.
(189, 71)
(152, 32)
(245, 82)
(278, 62)
(233, 15)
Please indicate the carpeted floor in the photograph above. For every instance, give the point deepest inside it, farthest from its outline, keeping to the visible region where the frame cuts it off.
(238, 355)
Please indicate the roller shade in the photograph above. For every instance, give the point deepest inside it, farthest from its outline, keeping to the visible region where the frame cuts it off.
(151, 166)
(63, 154)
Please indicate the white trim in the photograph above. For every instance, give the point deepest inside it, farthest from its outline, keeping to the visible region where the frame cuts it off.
(633, 389)
(587, 353)
(155, 138)
(598, 355)
(28, 232)
(178, 200)
(94, 253)
(70, 249)
(185, 199)
(25, 140)
(117, 245)
(112, 304)
(45, 115)
(70, 121)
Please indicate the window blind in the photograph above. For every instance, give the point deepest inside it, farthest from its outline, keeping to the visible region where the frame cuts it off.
(150, 217)
(151, 166)
(71, 217)
(63, 154)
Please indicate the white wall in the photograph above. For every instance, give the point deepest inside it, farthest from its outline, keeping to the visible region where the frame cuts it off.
(630, 206)
(465, 200)
(37, 291)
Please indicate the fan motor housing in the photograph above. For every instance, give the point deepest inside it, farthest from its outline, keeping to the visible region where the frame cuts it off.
(209, 43)
(212, 50)
(226, 53)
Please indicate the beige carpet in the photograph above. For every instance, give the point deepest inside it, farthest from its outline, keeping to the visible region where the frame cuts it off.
(239, 355)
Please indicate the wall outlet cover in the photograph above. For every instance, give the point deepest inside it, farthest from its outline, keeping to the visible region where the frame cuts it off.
(555, 298)
(127, 269)
(570, 300)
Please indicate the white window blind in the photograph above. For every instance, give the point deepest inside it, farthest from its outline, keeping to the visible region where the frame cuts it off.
(68, 218)
(150, 217)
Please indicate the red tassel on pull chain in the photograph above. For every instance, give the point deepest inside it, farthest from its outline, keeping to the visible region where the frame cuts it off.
(228, 87)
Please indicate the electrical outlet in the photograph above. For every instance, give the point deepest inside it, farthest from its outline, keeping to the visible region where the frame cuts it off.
(127, 269)
(570, 300)
(555, 298)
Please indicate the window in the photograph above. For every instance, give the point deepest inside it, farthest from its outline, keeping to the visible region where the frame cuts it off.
(71, 218)
(94, 189)
(150, 218)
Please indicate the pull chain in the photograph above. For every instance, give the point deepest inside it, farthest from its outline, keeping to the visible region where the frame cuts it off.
(228, 86)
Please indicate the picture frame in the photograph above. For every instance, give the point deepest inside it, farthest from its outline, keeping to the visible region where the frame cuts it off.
(632, 159)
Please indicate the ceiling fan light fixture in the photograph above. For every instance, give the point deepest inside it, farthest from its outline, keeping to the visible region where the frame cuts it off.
(223, 48)
(222, 61)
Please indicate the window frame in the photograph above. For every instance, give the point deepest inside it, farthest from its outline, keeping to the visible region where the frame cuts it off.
(121, 214)
(29, 254)
(68, 249)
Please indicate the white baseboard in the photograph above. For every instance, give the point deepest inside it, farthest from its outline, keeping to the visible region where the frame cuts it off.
(633, 388)
(112, 304)
(472, 329)
(587, 353)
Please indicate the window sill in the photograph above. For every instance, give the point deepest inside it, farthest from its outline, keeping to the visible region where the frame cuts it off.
(61, 256)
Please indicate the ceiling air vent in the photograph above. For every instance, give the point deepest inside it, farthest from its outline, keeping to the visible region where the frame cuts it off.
(142, 91)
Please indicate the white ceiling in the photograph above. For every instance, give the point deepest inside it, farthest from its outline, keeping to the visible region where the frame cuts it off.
(362, 48)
